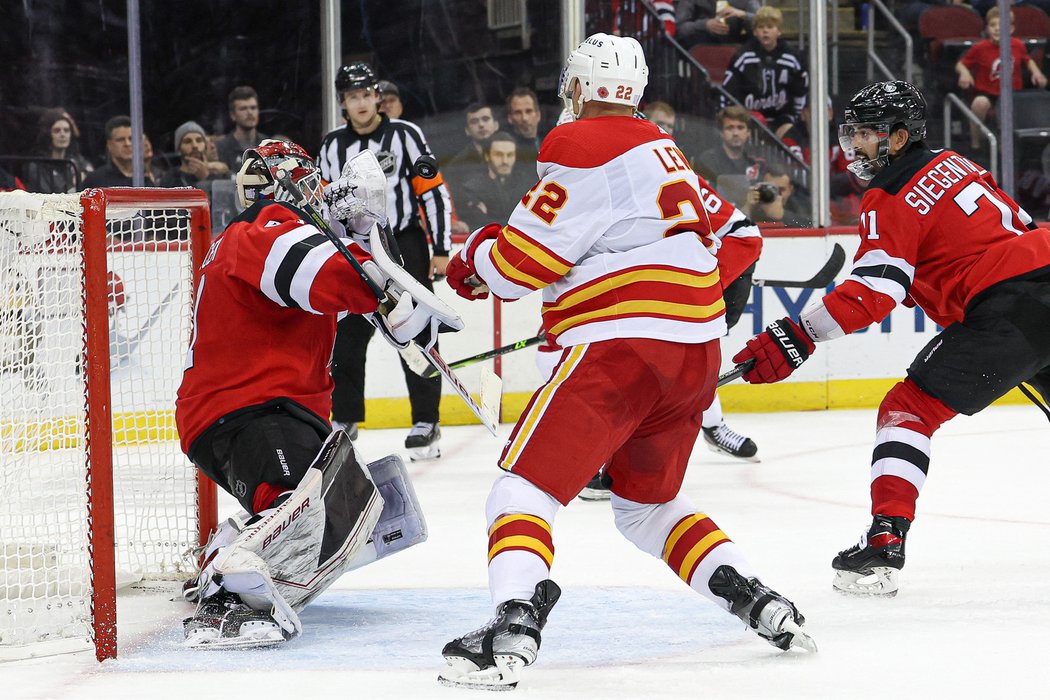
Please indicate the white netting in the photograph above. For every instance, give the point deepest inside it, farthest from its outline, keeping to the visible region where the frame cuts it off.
(45, 577)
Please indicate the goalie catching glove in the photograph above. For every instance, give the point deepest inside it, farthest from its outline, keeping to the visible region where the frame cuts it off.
(460, 273)
(777, 352)
(358, 197)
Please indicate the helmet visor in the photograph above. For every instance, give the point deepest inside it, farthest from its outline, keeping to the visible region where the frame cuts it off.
(856, 137)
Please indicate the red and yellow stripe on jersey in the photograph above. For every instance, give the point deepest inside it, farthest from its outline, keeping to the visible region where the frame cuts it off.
(653, 291)
(691, 539)
(525, 262)
(521, 532)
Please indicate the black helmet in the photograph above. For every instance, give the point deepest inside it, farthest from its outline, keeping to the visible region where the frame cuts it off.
(894, 102)
(354, 77)
(873, 114)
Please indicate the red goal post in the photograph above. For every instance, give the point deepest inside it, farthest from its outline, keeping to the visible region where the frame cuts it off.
(96, 301)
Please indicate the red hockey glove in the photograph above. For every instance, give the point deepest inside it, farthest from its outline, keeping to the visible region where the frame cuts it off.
(460, 273)
(777, 351)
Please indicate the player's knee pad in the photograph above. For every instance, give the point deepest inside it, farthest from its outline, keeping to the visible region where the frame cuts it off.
(401, 524)
(647, 525)
(309, 539)
(514, 494)
(909, 406)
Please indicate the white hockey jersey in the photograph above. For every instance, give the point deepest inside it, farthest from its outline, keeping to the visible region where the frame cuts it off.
(617, 236)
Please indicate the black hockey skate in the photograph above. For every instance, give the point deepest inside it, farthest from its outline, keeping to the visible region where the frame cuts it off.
(423, 441)
(492, 656)
(729, 442)
(224, 621)
(597, 489)
(772, 616)
(872, 566)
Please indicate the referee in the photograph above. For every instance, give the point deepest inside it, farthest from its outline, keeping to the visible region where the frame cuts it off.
(397, 144)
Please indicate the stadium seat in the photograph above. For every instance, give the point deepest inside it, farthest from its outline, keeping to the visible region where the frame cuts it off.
(938, 24)
(715, 59)
(1032, 26)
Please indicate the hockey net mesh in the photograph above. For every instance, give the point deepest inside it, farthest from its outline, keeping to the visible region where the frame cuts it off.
(45, 562)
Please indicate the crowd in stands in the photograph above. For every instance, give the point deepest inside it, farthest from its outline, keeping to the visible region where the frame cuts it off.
(765, 88)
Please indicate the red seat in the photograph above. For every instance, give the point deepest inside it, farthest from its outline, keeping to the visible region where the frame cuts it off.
(715, 59)
(1030, 22)
(948, 22)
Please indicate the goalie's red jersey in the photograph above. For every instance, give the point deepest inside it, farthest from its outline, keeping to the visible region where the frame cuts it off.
(936, 228)
(270, 292)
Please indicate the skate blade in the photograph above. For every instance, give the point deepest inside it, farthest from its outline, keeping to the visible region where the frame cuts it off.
(253, 641)
(881, 582)
(718, 450)
(462, 673)
(595, 495)
(422, 454)
(799, 638)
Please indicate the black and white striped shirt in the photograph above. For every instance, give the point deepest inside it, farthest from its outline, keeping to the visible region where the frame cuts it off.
(397, 144)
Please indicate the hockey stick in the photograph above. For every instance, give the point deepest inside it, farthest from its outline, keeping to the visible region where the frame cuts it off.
(824, 277)
(489, 354)
(735, 373)
(486, 412)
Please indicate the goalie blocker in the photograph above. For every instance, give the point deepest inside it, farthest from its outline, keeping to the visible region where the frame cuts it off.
(258, 574)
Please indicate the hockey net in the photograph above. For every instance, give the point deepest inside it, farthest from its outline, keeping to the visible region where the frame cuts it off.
(96, 303)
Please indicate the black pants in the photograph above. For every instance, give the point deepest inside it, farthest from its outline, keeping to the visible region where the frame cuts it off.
(1003, 340)
(351, 348)
(273, 444)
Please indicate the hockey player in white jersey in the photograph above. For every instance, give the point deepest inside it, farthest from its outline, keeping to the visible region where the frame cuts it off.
(616, 236)
(255, 398)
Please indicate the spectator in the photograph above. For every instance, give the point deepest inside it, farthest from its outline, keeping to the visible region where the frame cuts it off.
(390, 100)
(397, 144)
(523, 116)
(118, 170)
(661, 114)
(731, 157)
(244, 112)
(979, 71)
(770, 201)
(9, 182)
(58, 138)
(767, 77)
(192, 144)
(493, 194)
(701, 22)
(470, 162)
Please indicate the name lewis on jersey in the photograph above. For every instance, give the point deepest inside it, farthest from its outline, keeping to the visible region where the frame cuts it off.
(672, 158)
(936, 181)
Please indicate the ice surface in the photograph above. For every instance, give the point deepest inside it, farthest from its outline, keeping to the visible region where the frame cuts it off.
(971, 619)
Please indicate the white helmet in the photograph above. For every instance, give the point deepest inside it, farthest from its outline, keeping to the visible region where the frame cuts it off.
(608, 69)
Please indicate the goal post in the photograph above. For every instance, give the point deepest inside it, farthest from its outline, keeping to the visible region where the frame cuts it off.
(96, 300)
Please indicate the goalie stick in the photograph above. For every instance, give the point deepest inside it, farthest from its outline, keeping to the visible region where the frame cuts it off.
(485, 411)
(824, 276)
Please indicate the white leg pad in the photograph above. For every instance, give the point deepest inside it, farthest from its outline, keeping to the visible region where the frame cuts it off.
(401, 524)
(307, 542)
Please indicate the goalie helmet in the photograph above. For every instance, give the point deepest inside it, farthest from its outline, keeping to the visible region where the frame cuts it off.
(876, 112)
(608, 69)
(355, 76)
(259, 178)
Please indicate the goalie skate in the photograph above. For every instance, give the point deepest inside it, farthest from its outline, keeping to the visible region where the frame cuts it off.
(872, 566)
(223, 621)
(769, 614)
(492, 657)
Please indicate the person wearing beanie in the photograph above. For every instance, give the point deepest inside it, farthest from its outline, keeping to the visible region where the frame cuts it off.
(191, 142)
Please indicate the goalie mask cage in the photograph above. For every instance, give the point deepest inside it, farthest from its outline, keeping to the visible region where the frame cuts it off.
(96, 305)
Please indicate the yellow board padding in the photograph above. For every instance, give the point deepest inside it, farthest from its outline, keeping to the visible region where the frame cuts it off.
(157, 426)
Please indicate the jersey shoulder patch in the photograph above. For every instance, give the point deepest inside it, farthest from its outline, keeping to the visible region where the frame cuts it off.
(589, 143)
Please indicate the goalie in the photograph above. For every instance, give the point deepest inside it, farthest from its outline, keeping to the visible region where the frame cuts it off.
(253, 407)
